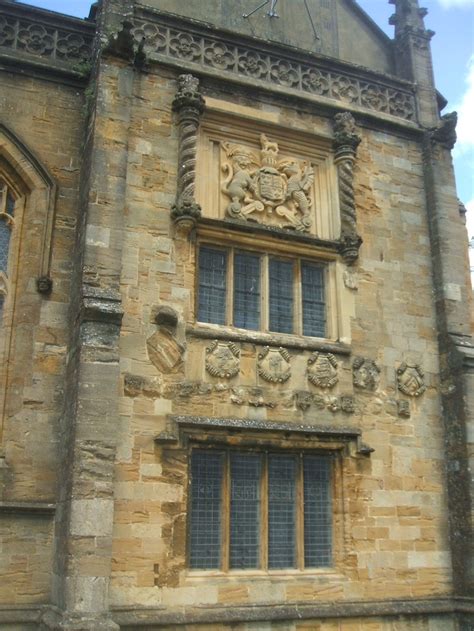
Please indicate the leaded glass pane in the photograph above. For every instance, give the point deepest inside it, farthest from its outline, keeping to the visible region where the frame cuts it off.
(314, 306)
(212, 285)
(207, 470)
(5, 234)
(281, 295)
(281, 511)
(246, 290)
(245, 509)
(317, 511)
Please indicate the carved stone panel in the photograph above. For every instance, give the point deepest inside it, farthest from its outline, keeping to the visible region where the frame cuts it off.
(411, 380)
(322, 370)
(265, 188)
(164, 351)
(223, 359)
(273, 365)
(365, 373)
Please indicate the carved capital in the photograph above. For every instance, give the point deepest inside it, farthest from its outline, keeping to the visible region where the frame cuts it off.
(349, 247)
(346, 136)
(189, 105)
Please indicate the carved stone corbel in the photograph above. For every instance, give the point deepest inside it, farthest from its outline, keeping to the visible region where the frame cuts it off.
(189, 106)
(346, 141)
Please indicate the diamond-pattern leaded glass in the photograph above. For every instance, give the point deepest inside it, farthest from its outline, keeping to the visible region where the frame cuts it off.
(212, 285)
(246, 290)
(317, 511)
(7, 206)
(281, 511)
(281, 275)
(206, 509)
(314, 306)
(245, 509)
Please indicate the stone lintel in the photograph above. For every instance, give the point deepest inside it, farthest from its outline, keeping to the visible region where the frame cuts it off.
(268, 339)
(133, 618)
(27, 508)
(348, 433)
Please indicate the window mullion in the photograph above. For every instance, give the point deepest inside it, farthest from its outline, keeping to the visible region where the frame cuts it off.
(264, 515)
(300, 515)
(230, 288)
(265, 299)
(298, 299)
(226, 513)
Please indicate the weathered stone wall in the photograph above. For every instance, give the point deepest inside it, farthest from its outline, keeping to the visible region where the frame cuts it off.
(48, 118)
(395, 529)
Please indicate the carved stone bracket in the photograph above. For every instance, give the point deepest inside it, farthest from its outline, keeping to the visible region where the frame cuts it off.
(346, 141)
(189, 106)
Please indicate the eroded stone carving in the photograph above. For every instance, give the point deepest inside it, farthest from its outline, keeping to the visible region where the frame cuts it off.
(223, 359)
(267, 190)
(322, 370)
(164, 351)
(214, 53)
(346, 141)
(445, 133)
(347, 404)
(189, 106)
(411, 379)
(403, 408)
(365, 373)
(273, 365)
(303, 400)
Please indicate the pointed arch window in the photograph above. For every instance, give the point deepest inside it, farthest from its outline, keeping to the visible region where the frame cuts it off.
(7, 222)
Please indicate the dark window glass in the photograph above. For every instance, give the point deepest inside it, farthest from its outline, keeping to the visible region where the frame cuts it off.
(246, 290)
(314, 306)
(7, 206)
(281, 511)
(281, 295)
(5, 233)
(317, 511)
(212, 286)
(245, 476)
(207, 470)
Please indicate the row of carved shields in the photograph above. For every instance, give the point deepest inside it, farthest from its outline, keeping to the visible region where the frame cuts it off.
(274, 366)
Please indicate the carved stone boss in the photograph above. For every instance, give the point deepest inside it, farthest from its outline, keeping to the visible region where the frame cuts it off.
(274, 365)
(223, 359)
(346, 141)
(189, 106)
(265, 189)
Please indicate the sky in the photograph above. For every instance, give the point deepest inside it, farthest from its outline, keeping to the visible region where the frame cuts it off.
(453, 59)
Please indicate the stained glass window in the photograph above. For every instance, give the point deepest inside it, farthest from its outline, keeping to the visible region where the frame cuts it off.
(247, 508)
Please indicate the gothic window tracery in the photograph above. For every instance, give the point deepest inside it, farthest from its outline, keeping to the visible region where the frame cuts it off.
(7, 222)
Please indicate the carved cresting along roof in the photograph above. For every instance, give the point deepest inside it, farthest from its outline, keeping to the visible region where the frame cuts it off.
(34, 35)
(192, 45)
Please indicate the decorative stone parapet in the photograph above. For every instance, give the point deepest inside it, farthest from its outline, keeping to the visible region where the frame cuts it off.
(27, 31)
(274, 67)
(189, 106)
(346, 141)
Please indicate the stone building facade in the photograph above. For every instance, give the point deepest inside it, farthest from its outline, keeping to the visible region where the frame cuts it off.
(236, 373)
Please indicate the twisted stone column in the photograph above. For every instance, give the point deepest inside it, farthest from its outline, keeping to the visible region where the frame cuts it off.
(189, 106)
(346, 141)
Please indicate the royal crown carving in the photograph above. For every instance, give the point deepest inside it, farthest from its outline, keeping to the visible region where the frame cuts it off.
(223, 359)
(265, 188)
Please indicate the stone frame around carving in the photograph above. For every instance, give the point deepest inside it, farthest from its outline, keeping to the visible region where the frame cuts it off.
(315, 150)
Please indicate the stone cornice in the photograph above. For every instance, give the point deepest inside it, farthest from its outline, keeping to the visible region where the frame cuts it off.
(50, 42)
(181, 42)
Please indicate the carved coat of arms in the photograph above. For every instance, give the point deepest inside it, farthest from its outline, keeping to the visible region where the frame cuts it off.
(365, 373)
(265, 189)
(411, 380)
(274, 365)
(322, 370)
(223, 359)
